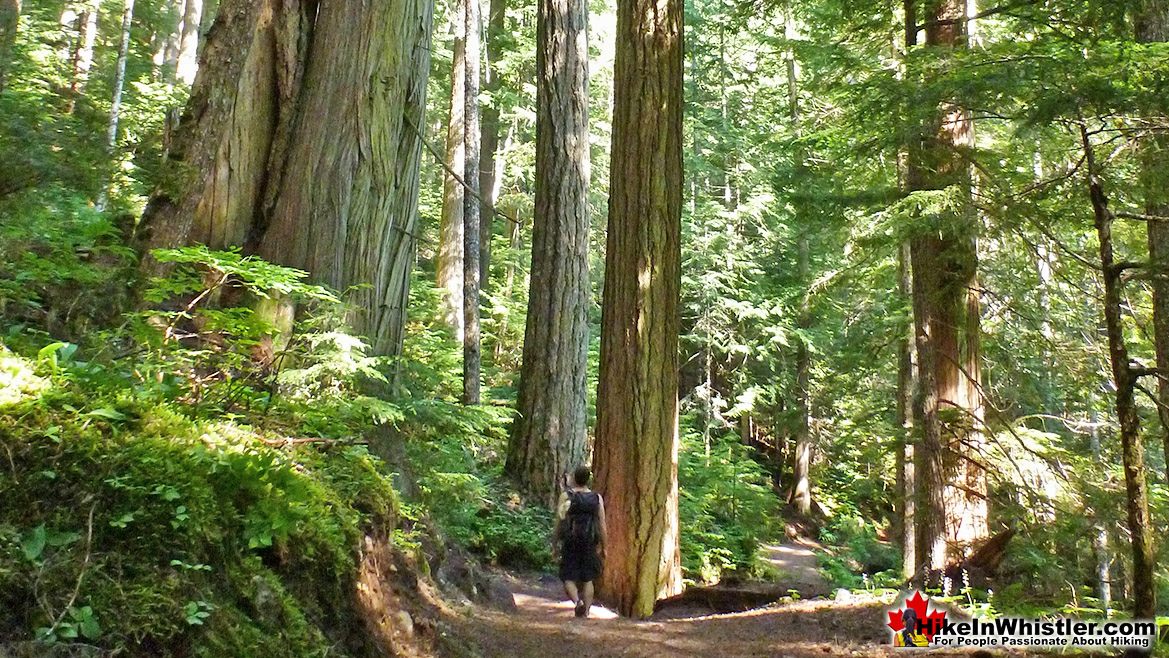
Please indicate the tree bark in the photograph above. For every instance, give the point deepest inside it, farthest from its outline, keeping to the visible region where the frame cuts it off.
(166, 57)
(120, 74)
(450, 231)
(309, 162)
(1125, 379)
(9, 20)
(548, 437)
(801, 493)
(904, 456)
(348, 200)
(1100, 540)
(188, 63)
(471, 210)
(951, 506)
(637, 425)
(496, 31)
(83, 56)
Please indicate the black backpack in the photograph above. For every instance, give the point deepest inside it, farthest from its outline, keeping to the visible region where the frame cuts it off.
(582, 522)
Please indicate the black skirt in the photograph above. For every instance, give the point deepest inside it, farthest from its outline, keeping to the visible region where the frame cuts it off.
(579, 564)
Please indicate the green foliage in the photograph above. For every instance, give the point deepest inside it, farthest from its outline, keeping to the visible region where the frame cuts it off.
(860, 558)
(726, 506)
(63, 266)
(458, 454)
(129, 523)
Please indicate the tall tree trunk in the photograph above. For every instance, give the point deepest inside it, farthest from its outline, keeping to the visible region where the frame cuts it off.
(496, 33)
(166, 57)
(908, 413)
(83, 56)
(637, 398)
(1125, 380)
(801, 493)
(188, 63)
(334, 193)
(471, 210)
(348, 199)
(119, 85)
(951, 485)
(1100, 540)
(904, 458)
(450, 230)
(1152, 26)
(120, 74)
(548, 437)
(9, 20)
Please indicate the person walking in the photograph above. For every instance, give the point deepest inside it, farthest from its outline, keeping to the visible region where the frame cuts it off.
(579, 539)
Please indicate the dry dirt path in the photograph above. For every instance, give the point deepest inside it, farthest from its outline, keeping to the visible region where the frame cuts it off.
(543, 626)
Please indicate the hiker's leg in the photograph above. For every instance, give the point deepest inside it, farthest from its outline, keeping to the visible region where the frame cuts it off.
(570, 590)
(587, 596)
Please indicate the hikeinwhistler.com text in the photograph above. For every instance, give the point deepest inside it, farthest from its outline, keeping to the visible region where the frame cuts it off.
(1060, 632)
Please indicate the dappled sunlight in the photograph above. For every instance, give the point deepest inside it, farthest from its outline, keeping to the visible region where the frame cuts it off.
(18, 379)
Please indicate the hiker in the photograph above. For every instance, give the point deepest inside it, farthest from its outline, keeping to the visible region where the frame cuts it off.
(579, 538)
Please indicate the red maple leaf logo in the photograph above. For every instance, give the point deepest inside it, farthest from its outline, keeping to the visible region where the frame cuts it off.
(930, 622)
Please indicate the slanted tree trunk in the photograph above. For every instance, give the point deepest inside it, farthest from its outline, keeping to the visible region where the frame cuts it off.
(334, 193)
(951, 504)
(471, 210)
(1152, 26)
(496, 31)
(1125, 379)
(9, 20)
(450, 230)
(637, 400)
(548, 437)
(234, 133)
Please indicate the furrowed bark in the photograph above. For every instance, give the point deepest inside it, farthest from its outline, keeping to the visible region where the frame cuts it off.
(308, 162)
(951, 505)
(637, 427)
(488, 171)
(548, 437)
(346, 211)
(450, 231)
(904, 457)
(471, 211)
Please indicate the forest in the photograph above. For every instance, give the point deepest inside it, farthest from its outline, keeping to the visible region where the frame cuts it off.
(308, 309)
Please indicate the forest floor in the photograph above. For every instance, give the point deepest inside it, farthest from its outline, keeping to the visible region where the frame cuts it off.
(543, 624)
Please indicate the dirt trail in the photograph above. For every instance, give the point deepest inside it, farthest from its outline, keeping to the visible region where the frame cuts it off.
(544, 627)
(798, 567)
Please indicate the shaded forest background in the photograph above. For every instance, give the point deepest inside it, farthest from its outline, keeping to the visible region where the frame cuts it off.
(825, 152)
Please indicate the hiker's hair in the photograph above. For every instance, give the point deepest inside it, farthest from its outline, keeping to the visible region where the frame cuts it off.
(582, 475)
